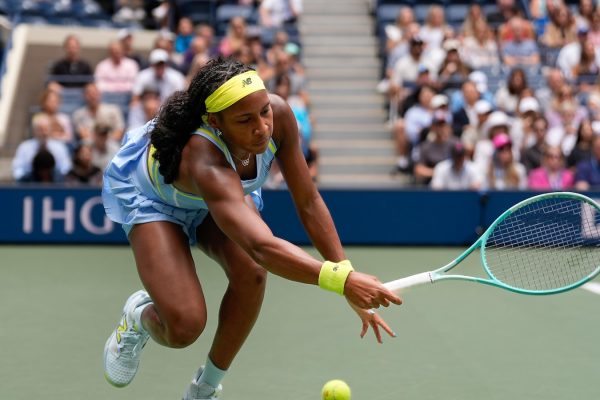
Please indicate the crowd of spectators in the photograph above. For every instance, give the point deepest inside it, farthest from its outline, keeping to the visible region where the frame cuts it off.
(505, 99)
(85, 109)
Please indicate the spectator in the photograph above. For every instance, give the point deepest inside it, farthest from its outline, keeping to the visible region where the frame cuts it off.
(472, 134)
(453, 72)
(145, 109)
(398, 33)
(531, 156)
(22, 163)
(72, 70)
(185, 35)
(420, 115)
(166, 42)
(521, 132)
(552, 175)
(280, 41)
(570, 55)
(457, 100)
(43, 167)
(497, 123)
(104, 147)
(166, 79)
(116, 73)
(562, 28)
(457, 172)
(585, 13)
(277, 13)
(509, 95)
(298, 82)
(474, 17)
(467, 114)
(583, 145)
(402, 49)
(196, 57)
(479, 50)
(504, 173)
(208, 33)
(520, 49)
(587, 176)
(586, 71)
(60, 124)
(406, 68)
(434, 30)
(436, 147)
(95, 112)
(594, 30)
(235, 38)
(125, 37)
(554, 84)
(505, 10)
(564, 118)
(83, 171)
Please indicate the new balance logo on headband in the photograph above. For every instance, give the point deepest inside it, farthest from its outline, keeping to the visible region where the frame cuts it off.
(246, 82)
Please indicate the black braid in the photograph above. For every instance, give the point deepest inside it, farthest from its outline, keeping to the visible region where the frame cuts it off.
(182, 114)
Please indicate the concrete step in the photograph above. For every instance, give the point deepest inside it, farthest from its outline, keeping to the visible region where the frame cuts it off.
(370, 114)
(350, 153)
(321, 19)
(332, 62)
(345, 30)
(358, 84)
(333, 40)
(354, 143)
(341, 51)
(341, 135)
(344, 74)
(362, 165)
(326, 105)
(340, 99)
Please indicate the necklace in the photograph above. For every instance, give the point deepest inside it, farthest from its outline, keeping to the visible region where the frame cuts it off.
(245, 162)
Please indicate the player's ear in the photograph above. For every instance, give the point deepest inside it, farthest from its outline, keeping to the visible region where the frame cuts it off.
(213, 121)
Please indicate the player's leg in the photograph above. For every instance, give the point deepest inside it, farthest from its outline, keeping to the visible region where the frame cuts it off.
(173, 311)
(239, 308)
(177, 315)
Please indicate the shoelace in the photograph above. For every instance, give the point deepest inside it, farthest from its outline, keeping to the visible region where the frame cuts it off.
(127, 338)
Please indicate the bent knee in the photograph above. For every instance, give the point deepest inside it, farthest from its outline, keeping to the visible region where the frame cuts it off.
(185, 328)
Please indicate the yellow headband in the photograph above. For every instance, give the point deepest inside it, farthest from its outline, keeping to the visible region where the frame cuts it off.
(233, 90)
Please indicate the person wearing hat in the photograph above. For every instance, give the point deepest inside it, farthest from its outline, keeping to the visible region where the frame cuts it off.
(406, 69)
(521, 130)
(436, 147)
(503, 172)
(159, 75)
(456, 172)
(471, 134)
(497, 122)
(117, 73)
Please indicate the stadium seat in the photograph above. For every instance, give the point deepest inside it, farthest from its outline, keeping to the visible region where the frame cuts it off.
(199, 11)
(456, 13)
(120, 99)
(72, 99)
(421, 11)
(226, 12)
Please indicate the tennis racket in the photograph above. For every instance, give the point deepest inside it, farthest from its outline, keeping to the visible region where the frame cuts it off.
(546, 244)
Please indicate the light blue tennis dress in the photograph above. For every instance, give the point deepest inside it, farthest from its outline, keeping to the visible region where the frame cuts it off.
(134, 191)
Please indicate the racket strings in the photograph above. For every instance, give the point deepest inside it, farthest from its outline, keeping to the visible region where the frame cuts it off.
(545, 245)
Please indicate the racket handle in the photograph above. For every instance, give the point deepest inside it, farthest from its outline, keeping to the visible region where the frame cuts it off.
(414, 280)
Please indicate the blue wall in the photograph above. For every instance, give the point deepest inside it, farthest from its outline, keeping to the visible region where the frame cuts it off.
(384, 217)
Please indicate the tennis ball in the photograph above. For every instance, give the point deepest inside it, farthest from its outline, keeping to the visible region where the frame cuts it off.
(336, 390)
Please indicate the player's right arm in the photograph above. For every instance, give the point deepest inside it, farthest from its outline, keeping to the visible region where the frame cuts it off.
(220, 187)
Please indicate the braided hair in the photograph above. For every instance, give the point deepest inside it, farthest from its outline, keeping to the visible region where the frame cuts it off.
(182, 114)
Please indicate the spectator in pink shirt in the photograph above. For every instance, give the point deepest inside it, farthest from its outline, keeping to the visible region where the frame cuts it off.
(116, 73)
(552, 175)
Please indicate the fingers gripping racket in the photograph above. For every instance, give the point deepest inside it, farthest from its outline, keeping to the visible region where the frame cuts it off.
(546, 244)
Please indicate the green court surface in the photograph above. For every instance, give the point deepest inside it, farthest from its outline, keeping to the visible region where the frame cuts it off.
(456, 340)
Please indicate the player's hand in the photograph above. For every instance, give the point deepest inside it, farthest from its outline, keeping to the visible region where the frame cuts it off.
(365, 291)
(372, 319)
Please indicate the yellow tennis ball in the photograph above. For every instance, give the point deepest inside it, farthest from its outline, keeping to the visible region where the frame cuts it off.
(336, 390)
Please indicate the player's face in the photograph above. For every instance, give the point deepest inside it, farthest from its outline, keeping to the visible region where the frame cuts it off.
(248, 124)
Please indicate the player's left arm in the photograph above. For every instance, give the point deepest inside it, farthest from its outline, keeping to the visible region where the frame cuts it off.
(311, 208)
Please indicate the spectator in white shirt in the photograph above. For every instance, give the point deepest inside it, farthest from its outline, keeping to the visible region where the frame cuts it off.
(159, 75)
(22, 163)
(456, 173)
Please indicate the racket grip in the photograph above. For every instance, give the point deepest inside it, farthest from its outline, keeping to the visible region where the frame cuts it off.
(403, 283)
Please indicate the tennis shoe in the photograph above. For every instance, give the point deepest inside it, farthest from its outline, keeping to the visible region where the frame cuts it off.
(202, 390)
(123, 348)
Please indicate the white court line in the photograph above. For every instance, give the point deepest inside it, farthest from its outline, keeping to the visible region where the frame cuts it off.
(592, 287)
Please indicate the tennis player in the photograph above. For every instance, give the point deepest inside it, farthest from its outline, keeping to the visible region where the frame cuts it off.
(193, 176)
